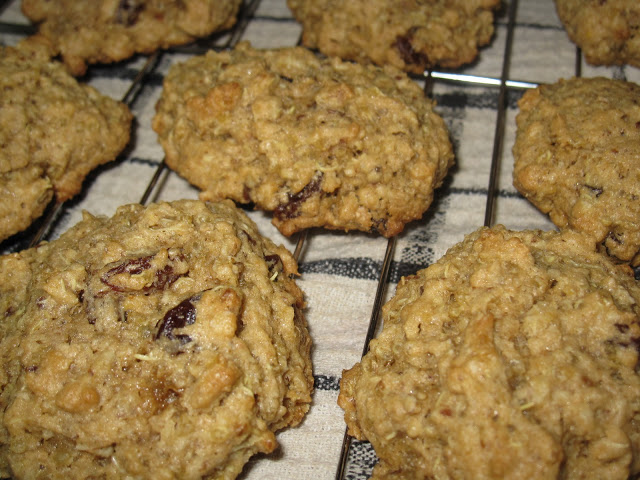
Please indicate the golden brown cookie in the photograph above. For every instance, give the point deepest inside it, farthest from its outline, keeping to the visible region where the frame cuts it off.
(576, 158)
(409, 34)
(608, 32)
(103, 31)
(53, 132)
(319, 142)
(514, 356)
(171, 344)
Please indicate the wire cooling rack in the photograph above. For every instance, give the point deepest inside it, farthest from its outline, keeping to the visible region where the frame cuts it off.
(347, 277)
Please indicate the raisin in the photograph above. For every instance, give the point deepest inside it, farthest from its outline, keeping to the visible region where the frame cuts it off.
(164, 277)
(274, 264)
(249, 237)
(136, 266)
(179, 316)
(164, 395)
(128, 11)
(635, 343)
(622, 328)
(408, 54)
(379, 225)
(246, 194)
(290, 209)
(615, 238)
(597, 191)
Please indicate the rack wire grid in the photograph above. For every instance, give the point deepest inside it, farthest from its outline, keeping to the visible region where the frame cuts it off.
(346, 276)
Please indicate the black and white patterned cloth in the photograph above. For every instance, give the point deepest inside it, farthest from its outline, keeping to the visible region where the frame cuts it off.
(339, 272)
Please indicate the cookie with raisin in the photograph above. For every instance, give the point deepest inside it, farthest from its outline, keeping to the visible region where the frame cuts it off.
(513, 356)
(318, 142)
(607, 32)
(172, 345)
(576, 158)
(53, 132)
(412, 35)
(104, 31)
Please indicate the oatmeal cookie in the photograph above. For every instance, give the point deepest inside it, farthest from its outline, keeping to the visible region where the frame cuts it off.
(103, 31)
(576, 158)
(608, 32)
(319, 142)
(170, 346)
(53, 132)
(410, 34)
(514, 356)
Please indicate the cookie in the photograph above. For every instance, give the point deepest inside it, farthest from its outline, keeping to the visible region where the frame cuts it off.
(104, 31)
(408, 34)
(319, 142)
(576, 158)
(608, 32)
(53, 132)
(171, 345)
(514, 356)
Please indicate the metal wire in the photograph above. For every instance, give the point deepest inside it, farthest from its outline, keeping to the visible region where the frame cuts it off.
(482, 81)
(504, 83)
(137, 84)
(128, 98)
(245, 16)
(498, 137)
(247, 12)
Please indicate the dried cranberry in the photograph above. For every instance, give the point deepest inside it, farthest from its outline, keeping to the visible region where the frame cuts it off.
(408, 54)
(136, 266)
(274, 263)
(622, 327)
(128, 11)
(164, 277)
(179, 316)
(290, 209)
(597, 191)
(379, 225)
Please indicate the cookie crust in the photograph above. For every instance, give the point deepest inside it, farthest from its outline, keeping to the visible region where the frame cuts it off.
(410, 35)
(319, 142)
(607, 32)
(576, 158)
(53, 132)
(104, 31)
(171, 345)
(514, 356)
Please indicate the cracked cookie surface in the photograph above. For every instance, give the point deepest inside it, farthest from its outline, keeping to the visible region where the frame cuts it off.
(576, 158)
(408, 34)
(171, 345)
(319, 142)
(104, 31)
(53, 132)
(514, 356)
